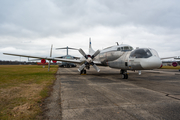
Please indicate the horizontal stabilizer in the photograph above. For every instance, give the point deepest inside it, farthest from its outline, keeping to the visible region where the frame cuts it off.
(67, 48)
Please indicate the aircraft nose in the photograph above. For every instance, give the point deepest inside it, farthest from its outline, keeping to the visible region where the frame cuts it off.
(151, 63)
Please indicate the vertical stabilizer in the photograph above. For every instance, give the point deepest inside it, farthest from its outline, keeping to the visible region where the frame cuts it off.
(91, 51)
(67, 50)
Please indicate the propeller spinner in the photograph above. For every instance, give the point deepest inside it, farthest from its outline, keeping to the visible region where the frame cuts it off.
(89, 60)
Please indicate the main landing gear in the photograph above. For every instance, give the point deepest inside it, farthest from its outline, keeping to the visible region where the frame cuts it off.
(124, 74)
(83, 72)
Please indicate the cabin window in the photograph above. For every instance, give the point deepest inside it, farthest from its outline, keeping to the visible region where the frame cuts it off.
(68, 57)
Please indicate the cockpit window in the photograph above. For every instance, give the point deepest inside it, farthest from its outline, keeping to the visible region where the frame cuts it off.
(125, 48)
(68, 57)
(119, 49)
(141, 53)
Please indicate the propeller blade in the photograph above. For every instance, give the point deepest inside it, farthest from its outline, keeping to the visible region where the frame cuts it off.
(49, 65)
(95, 54)
(81, 67)
(96, 68)
(83, 53)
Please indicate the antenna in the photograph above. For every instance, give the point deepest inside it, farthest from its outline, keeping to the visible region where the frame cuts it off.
(117, 43)
(89, 42)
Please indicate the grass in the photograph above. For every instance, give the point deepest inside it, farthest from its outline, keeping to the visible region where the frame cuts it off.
(22, 88)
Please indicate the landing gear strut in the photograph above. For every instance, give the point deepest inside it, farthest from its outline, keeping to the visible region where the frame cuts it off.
(124, 74)
(83, 71)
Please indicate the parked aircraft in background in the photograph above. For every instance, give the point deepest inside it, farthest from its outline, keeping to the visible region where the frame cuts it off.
(122, 57)
(67, 56)
(43, 61)
(171, 63)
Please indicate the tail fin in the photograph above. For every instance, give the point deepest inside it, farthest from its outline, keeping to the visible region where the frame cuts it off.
(91, 51)
(51, 51)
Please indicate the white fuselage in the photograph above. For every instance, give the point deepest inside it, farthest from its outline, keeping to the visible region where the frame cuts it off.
(124, 57)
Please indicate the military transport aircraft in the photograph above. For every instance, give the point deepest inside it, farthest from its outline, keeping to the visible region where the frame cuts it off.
(122, 57)
(67, 56)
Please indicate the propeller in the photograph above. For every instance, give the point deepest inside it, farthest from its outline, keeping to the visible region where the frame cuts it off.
(89, 60)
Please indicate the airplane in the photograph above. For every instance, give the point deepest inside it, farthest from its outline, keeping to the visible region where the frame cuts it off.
(43, 61)
(67, 56)
(122, 57)
(171, 63)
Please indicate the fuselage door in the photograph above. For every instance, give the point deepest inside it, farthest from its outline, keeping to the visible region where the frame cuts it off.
(130, 63)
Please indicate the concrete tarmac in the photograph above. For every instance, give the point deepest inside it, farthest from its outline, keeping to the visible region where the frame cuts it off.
(154, 95)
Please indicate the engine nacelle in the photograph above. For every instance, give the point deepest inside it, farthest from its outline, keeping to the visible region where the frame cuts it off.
(161, 66)
(54, 61)
(174, 64)
(43, 61)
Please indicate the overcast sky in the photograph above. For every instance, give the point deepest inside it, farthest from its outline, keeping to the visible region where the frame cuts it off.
(30, 26)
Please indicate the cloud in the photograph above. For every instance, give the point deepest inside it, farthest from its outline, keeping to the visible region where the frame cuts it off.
(35, 25)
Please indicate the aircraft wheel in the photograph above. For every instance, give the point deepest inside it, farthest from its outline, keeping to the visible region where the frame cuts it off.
(125, 76)
(81, 72)
(84, 71)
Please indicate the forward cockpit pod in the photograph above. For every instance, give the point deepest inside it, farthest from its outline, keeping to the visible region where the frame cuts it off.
(144, 58)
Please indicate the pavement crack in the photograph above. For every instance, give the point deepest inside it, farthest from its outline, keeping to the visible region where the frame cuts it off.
(171, 96)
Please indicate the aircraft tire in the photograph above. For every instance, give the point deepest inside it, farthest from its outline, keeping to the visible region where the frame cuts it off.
(125, 76)
(81, 72)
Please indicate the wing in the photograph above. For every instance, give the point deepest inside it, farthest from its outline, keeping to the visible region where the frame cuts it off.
(72, 56)
(167, 58)
(47, 58)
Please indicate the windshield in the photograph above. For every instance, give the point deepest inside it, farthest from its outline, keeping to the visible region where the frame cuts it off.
(154, 52)
(140, 53)
(68, 57)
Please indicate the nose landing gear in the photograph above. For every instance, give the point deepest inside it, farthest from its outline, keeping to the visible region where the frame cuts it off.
(124, 74)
